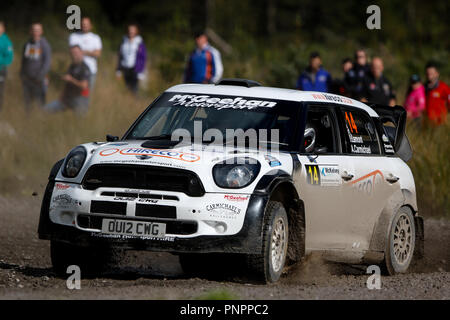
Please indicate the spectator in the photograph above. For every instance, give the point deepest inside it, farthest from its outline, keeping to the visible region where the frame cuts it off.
(6, 57)
(340, 86)
(75, 95)
(217, 61)
(415, 98)
(315, 77)
(201, 66)
(437, 95)
(355, 76)
(132, 58)
(376, 88)
(91, 44)
(36, 59)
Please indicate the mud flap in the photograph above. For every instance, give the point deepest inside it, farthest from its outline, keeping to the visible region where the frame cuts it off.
(419, 251)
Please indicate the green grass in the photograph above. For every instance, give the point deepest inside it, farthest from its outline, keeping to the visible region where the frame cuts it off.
(218, 294)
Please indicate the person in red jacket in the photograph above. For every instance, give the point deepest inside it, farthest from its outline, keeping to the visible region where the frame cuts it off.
(437, 96)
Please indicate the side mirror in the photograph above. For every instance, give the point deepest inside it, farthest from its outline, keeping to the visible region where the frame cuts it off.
(111, 138)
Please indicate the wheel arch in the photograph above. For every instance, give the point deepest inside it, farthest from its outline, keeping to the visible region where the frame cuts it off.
(280, 187)
(400, 199)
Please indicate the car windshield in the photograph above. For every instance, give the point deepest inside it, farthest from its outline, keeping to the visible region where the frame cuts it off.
(205, 116)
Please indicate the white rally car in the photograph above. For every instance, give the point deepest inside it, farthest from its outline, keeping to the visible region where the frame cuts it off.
(327, 173)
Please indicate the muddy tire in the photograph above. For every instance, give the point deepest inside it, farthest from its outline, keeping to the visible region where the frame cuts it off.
(92, 261)
(268, 266)
(400, 243)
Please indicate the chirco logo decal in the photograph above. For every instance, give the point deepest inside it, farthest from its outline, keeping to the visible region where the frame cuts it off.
(182, 156)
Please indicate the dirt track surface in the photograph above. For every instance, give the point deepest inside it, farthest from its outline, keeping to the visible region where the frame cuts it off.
(25, 271)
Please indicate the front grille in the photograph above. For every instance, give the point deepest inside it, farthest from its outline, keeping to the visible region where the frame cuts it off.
(155, 211)
(109, 207)
(172, 227)
(143, 177)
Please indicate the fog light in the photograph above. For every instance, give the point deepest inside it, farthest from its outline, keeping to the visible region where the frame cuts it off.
(219, 226)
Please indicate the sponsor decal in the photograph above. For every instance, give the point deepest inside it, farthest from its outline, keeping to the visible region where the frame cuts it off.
(62, 186)
(126, 237)
(205, 101)
(361, 149)
(329, 97)
(223, 207)
(64, 200)
(385, 139)
(272, 161)
(330, 176)
(182, 156)
(388, 148)
(366, 183)
(323, 175)
(231, 197)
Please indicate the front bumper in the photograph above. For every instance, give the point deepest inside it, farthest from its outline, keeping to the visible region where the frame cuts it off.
(66, 215)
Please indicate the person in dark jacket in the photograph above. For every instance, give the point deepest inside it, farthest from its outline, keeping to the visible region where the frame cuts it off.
(355, 76)
(340, 85)
(36, 60)
(201, 66)
(315, 77)
(376, 88)
(132, 58)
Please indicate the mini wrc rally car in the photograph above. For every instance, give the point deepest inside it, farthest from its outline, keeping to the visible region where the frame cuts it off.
(327, 174)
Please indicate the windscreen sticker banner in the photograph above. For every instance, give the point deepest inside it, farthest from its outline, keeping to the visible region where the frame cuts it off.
(219, 103)
(323, 175)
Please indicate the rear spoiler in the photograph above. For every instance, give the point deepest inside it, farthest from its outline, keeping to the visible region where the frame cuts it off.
(397, 134)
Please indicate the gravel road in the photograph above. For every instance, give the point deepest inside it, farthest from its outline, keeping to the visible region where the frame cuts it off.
(25, 271)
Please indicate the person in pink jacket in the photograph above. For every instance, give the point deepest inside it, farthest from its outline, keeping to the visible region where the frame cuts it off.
(415, 98)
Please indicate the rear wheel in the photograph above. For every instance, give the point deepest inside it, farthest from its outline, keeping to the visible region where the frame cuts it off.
(91, 260)
(268, 266)
(401, 242)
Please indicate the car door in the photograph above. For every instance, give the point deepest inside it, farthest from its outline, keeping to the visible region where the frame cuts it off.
(319, 181)
(371, 180)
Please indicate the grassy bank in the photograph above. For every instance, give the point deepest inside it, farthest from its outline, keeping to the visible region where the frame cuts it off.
(31, 143)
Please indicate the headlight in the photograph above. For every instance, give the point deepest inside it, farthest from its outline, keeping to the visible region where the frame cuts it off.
(236, 173)
(74, 162)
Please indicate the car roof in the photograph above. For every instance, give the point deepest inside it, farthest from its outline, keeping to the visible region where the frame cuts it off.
(271, 93)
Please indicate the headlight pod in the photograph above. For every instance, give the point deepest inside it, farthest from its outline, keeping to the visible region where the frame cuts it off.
(74, 162)
(236, 173)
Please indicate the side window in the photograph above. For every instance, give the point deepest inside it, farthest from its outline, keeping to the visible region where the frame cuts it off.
(320, 132)
(359, 132)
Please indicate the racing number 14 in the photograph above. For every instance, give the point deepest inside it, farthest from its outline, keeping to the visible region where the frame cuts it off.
(312, 172)
(351, 122)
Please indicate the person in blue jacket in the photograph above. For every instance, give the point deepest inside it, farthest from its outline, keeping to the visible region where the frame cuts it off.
(201, 65)
(315, 77)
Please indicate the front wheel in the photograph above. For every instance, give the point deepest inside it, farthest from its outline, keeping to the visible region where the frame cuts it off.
(400, 243)
(268, 266)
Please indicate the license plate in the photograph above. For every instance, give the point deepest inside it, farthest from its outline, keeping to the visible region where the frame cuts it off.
(133, 228)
